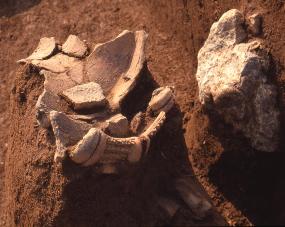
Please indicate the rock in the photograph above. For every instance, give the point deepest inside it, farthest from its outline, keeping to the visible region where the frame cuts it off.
(254, 23)
(85, 96)
(73, 46)
(162, 100)
(118, 125)
(45, 49)
(233, 80)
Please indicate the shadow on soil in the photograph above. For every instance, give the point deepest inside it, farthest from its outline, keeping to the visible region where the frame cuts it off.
(253, 181)
(10, 8)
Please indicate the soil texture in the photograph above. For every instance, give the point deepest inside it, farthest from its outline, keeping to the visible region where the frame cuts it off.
(246, 186)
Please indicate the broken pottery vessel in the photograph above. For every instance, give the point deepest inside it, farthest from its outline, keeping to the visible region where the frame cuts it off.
(82, 104)
(83, 94)
(233, 79)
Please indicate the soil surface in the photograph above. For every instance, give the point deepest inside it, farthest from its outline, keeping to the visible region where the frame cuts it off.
(246, 186)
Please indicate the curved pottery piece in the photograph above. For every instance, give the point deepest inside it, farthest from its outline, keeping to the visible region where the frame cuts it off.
(96, 84)
(82, 103)
(115, 65)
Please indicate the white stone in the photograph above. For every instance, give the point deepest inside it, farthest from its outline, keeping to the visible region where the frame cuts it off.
(74, 46)
(85, 96)
(233, 80)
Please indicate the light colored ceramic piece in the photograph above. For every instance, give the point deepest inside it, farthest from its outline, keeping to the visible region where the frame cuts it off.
(116, 65)
(45, 49)
(118, 125)
(73, 46)
(162, 100)
(85, 96)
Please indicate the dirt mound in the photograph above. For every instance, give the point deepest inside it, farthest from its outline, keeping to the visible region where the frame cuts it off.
(246, 187)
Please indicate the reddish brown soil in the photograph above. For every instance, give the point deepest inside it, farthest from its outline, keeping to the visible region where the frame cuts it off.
(246, 186)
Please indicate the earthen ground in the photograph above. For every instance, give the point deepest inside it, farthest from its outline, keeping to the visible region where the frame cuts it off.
(246, 186)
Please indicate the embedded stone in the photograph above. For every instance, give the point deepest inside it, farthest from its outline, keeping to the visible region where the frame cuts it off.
(74, 46)
(233, 79)
(118, 125)
(85, 96)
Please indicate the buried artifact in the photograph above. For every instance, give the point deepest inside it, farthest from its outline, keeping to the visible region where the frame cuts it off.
(84, 104)
(96, 84)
